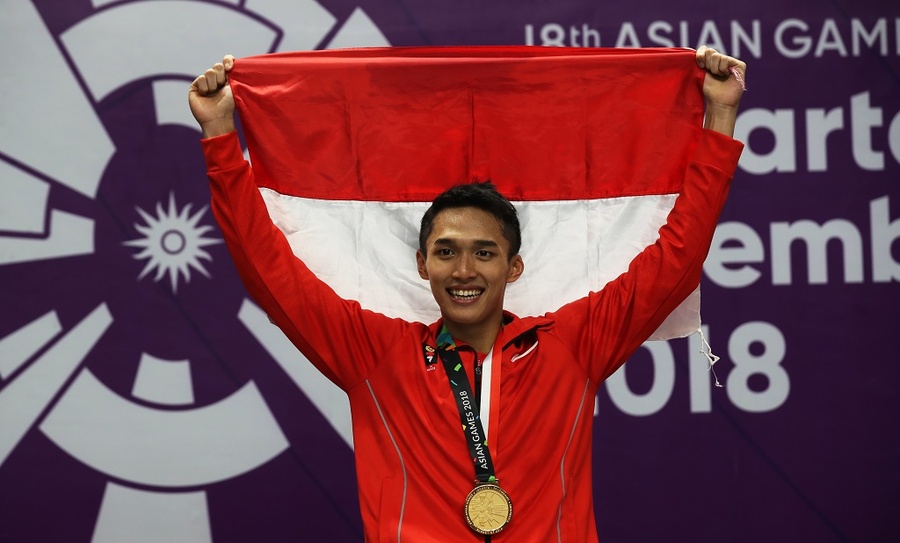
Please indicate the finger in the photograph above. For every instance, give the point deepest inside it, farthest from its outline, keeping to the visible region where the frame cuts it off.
(727, 63)
(228, 62)
(722, 64)
(196, 83)
(730, 65)
(700, 56)
(209, 82)
(219, 69)
(709, 58)
(716, 63)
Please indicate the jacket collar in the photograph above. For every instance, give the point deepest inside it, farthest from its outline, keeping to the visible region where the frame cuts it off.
(513, 328)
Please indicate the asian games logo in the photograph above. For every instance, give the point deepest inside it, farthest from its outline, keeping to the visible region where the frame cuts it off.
(115, 281)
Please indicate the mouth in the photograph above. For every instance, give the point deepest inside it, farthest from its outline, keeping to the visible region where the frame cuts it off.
(465, 294)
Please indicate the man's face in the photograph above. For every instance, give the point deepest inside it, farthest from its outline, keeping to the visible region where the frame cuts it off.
(468, 265)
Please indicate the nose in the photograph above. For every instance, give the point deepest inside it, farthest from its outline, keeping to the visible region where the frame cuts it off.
(465, 267)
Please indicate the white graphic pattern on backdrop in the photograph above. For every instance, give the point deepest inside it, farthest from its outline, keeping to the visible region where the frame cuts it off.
(41, 361)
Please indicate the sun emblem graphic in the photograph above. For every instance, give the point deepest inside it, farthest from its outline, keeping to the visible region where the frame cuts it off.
(138, 389)
(173, 242)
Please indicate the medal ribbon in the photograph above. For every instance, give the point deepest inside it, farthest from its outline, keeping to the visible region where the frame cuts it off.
(469, 413)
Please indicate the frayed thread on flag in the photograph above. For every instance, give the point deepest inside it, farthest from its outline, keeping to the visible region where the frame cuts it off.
(706, 351)
(738, 77)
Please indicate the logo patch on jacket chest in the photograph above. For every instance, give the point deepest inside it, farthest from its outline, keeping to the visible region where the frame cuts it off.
(430, 356)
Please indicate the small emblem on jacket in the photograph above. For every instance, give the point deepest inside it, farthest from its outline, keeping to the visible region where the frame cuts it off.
(429, 355)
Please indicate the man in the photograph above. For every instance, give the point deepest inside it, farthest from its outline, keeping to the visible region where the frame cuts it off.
(460, 423)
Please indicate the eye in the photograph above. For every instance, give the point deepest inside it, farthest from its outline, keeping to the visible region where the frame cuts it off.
(484, 254)
(444, 252)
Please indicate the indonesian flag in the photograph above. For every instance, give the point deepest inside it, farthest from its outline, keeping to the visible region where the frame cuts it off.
(349, 148)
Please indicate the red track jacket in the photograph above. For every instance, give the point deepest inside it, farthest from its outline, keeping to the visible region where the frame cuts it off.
(412, 461)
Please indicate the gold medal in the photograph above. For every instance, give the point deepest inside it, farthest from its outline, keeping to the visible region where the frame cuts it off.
(488, 509)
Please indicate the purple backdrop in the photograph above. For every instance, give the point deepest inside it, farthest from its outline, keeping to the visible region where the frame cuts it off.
(127, 343)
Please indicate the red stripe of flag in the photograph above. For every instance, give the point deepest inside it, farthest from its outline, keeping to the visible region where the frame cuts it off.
(403, 124)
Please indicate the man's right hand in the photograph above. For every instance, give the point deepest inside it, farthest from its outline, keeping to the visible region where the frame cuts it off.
(211, 101)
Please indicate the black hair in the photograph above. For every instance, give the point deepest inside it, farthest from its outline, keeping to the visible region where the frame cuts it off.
(482, 195)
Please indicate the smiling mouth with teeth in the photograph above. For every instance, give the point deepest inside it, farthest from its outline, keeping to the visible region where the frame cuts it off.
(465, 294)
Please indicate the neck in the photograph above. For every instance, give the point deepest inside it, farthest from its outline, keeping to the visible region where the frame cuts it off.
(480, 337)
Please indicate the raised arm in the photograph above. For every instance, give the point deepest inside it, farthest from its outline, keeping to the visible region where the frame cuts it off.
(613, 322)
(324, 327)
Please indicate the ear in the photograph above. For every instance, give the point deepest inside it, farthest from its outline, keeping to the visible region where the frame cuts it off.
(516, 267)
(420, 265)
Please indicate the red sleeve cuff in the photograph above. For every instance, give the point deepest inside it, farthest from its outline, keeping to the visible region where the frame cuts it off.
(718, 150)
(222, 152)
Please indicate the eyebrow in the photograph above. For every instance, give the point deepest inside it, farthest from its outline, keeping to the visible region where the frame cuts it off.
(478, 242)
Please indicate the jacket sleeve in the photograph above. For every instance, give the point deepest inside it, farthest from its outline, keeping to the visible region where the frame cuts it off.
(336, 335)
(606, 327)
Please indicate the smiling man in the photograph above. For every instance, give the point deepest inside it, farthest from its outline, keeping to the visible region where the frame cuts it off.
(469, 251)
(476, 427)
